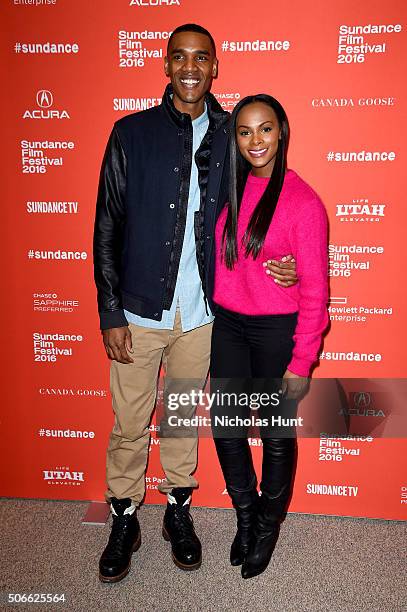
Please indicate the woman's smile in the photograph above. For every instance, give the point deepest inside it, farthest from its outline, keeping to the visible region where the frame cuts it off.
(257, 152)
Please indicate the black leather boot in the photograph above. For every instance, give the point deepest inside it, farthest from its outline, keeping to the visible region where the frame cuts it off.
(236, 462)
(178, 528)
(264, 540)
(279, 456)
(245, 504)
(125, 538)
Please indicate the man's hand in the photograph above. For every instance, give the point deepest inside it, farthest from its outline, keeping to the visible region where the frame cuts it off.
(118, 345)
(283, 271)
(293, 386)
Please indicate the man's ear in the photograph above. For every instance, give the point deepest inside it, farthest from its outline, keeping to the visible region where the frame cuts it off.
(215, 69)
(166, 66)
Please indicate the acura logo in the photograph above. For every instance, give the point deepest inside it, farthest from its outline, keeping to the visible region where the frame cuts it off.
(362, 399)
(44, 98)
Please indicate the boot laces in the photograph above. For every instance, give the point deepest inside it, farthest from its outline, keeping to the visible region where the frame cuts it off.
(183, 523)
(117, 540)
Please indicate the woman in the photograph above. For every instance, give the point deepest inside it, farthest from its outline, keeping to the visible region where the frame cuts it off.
(263, 330)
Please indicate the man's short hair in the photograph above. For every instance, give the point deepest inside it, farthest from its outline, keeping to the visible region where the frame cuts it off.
(192, 27)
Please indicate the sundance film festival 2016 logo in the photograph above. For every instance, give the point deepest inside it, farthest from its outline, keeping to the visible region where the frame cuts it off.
(52, 347)
(344, 259)
(133, 52)
(45, 101)
(360, 211)
(356, 42)
(335, 448)
(63, 476)
(341, 311)
(37, 156)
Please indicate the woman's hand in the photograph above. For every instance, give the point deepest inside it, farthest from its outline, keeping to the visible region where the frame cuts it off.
(293, 386)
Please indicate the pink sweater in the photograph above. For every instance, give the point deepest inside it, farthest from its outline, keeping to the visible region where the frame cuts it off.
(299, 227)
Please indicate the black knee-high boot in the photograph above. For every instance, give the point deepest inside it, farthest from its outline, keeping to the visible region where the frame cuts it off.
(245, 504)
(237, 467)
(279, 455)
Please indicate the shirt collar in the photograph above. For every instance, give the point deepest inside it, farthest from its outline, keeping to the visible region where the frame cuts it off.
(199, 121)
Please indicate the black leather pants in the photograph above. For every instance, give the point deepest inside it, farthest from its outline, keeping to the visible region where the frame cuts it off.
(251, 354)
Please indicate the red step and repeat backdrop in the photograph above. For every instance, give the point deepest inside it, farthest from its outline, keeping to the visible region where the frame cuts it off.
(72, 68)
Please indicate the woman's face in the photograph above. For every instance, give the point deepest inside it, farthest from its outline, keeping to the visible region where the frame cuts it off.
(257, 135)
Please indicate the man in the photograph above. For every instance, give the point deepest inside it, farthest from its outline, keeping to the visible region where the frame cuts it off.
(163, 183)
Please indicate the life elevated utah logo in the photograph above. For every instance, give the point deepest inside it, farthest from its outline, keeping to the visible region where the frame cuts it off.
(44, 110)
(360, 210)
(63, 476)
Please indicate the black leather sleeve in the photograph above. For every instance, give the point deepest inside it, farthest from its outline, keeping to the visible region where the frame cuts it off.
(108, 234)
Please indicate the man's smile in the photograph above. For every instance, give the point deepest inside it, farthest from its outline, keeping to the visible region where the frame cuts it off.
(189, 82)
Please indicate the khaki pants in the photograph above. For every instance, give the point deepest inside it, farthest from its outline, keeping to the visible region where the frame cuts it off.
(185, 355)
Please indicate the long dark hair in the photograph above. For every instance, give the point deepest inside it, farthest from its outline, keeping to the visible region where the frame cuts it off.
(239, 170)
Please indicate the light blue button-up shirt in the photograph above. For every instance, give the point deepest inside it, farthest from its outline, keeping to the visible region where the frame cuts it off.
(188, 295)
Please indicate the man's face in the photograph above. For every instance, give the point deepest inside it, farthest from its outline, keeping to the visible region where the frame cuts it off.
(191, 65)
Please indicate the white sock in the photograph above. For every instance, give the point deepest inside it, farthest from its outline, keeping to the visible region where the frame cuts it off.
(130, 510)
(172, 500)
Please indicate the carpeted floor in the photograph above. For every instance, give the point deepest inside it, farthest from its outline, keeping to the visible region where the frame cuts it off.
(320, 564)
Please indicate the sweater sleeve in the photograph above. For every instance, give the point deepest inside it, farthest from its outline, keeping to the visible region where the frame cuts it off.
(309, 237)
